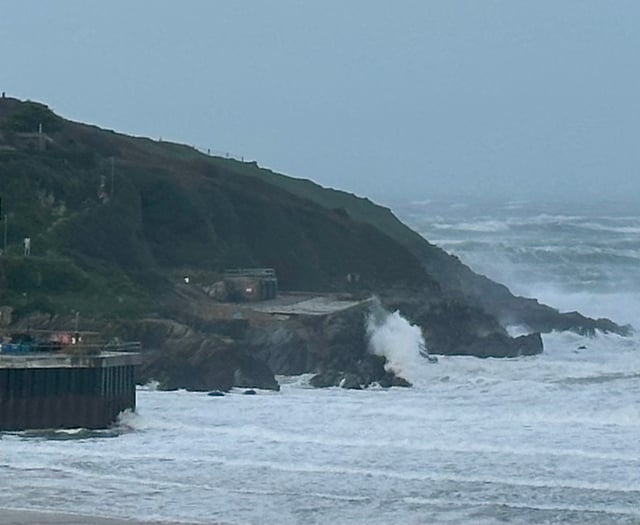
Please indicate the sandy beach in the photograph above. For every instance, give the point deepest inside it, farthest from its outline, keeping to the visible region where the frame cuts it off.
(24, 517)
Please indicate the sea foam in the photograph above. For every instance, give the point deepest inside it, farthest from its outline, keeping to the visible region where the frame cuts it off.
(392, 336)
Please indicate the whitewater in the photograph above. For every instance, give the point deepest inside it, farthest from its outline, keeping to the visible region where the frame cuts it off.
(544, 439)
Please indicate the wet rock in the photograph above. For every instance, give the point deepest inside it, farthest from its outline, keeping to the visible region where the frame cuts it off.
(390, 379)
(325, 379)
(530, 344)
(177, 356)
(500, 345)
(215, 393)
(351, 382)
(452, 327)
(542, 318)
(284, 347)
(254, 373)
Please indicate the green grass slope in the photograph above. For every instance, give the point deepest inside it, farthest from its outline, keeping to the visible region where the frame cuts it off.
(112, 219)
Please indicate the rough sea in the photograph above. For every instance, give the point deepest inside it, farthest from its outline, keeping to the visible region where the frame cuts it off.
(553, 438)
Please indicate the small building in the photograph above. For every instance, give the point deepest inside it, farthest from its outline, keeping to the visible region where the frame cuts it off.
(246, 285)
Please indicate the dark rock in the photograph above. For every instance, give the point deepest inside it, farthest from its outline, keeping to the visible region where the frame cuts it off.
(207, 368)
(177, 356)
(215, 393)
(530, 344)
(325, 379)
(351, 382)
(334, 345)
(370, 368)
(400, 381)
(458, 282)
(500, 345)
(452, 327)
(386, 381)
(254, 373)
(542, 318)
(284, 347)
(249, 392)
(390, 379)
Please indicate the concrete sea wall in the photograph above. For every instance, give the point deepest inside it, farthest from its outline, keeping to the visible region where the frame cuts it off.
(65, 391)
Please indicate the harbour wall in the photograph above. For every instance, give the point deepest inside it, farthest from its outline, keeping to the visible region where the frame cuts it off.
(65, 391)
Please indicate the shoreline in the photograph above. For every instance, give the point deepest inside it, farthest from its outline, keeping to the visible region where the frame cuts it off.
(35, 517)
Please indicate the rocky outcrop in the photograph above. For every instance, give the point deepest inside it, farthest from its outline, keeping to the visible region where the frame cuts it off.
(177, 356)
(500, 345)
(197, 355)
(459, 283)
(453, 327)
(334, 347)
(545, 319)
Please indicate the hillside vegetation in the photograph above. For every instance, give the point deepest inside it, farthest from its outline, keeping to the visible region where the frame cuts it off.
(116, 221)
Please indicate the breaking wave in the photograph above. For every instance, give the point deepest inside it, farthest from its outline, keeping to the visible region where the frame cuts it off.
(392, 336)
(550, 438)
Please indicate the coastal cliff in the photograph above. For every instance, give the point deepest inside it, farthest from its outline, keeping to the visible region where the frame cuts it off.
(117, 222)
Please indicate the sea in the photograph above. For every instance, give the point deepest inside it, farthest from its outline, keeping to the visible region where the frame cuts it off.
(553, 438)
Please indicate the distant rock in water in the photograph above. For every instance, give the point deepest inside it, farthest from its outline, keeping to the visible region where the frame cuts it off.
(215, 393)
(500, 345)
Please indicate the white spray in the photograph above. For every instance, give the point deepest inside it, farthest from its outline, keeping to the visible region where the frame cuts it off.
(392, 336)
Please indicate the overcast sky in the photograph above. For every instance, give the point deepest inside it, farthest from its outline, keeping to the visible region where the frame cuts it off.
(388, 99)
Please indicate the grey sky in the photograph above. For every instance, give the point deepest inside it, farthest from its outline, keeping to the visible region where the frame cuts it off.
(389, 99)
